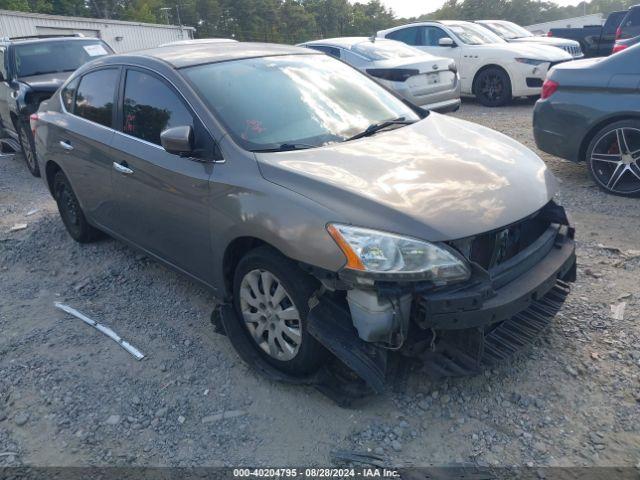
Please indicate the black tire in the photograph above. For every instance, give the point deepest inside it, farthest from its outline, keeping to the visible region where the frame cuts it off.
(300, 287)
(71, 212)
(616, 170)
(28, 147)
(492, 87)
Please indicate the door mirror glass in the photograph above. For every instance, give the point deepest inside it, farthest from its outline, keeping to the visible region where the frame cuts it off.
(446, 42)
(178, 140)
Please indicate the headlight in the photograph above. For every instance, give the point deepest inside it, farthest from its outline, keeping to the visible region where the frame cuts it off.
(385, 253)
(532, 61)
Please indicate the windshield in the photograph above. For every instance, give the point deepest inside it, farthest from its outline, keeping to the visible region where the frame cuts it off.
(39, 58)
(474, 34)
(294, 99)
(384, 50)
(508, 30)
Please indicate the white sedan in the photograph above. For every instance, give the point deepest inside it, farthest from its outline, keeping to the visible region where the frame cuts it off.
(493, 70)
(427, 81)
(512, 32)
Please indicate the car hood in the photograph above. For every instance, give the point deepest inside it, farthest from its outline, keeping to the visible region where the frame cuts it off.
(49, 82)
(551, 41)
(528, 50)
(438, 179)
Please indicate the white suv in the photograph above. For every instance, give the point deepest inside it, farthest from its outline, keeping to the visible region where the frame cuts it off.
(490, 68)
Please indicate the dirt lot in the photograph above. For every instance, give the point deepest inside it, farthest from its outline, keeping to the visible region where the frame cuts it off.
(70, 396)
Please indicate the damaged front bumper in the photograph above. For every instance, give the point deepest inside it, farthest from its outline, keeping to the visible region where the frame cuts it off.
(461, 329)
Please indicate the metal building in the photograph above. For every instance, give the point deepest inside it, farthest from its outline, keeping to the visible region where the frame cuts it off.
(122, 36)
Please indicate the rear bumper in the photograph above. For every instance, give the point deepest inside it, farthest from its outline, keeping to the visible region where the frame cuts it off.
(444, 107)
(555, 132)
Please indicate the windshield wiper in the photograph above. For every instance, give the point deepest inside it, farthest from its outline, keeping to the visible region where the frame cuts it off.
(285, 147)
(376, 127)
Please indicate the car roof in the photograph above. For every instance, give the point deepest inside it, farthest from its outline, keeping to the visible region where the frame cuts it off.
(346, 42)
(22, 41)
(180, 56)
(454, 22)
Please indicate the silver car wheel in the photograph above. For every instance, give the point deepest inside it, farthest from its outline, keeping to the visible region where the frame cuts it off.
(615, 160)
(270, 315)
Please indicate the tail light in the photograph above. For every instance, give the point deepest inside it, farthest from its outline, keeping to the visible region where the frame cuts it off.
(33, 120)
(618, 47)
(549, 87)
(618, 33)
(392, 74)
(549, 33)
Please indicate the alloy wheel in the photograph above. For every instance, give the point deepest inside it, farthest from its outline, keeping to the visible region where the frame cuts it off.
(270, 315)
(615, 161)
(492, 87)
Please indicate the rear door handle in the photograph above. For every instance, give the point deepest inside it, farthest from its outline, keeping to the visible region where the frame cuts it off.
(118, 167)
(66, 145)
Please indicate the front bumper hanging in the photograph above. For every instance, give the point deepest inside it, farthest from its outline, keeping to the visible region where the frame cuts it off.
(461, 331)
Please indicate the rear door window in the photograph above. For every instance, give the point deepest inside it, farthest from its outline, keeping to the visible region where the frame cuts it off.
(409, 35)
(151, 106)
(96, 95)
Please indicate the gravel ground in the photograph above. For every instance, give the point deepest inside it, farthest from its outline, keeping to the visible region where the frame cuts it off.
(69, 396)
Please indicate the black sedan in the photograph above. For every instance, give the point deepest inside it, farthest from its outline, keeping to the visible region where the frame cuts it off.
(589, 111)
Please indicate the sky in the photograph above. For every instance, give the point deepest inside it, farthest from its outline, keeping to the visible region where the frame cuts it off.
(414, 8)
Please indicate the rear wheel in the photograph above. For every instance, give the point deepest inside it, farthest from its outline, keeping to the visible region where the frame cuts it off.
(70, 211)
(271, 298)
(27, 145)
(492, 87)
(613, 157)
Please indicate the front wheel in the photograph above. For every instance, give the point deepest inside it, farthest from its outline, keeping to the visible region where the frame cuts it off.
(271, 297)
(613, 157)
(492, 87)
(27, 145)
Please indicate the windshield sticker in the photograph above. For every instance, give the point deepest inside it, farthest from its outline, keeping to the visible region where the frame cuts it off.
(95, 50)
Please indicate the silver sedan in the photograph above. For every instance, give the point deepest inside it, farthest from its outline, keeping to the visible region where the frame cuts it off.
(425, 80)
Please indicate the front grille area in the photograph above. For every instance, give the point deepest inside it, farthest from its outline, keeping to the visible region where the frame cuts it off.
(574, 50)
(493, 248)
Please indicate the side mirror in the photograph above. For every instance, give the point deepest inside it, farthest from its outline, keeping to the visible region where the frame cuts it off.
(446, 42)
(178, 140)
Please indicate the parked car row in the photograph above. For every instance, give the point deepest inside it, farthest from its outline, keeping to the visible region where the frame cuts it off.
(491, 69)
(330, 216)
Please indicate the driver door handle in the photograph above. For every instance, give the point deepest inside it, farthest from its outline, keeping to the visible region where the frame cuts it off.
(66, 145)
(124, 169)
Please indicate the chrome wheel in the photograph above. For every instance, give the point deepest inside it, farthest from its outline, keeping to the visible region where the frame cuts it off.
(270, 315)
(615, 161)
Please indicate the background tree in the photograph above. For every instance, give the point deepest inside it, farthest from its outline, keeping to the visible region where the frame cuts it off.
(294, 21)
